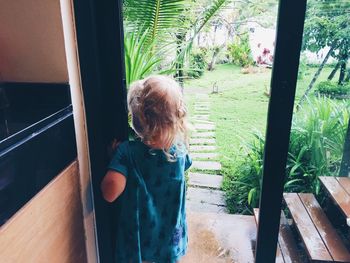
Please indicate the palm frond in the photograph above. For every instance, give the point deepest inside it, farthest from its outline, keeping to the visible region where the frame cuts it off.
(155, 16)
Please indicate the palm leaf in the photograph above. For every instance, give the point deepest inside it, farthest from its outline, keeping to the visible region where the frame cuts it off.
(140, 60)
(155, 16)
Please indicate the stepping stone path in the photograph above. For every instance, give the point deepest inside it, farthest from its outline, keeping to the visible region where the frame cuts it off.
(204, 194)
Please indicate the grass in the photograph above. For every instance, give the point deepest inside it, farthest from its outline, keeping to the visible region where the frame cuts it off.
(240, 107)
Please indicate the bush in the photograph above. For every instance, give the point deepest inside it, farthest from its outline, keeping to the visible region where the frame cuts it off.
(198, 63)
(242, 186)
(332, 89)
(240, 53)
(316, 147)
(316, 143)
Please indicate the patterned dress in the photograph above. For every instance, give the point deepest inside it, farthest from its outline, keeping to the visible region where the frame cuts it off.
(151, 211)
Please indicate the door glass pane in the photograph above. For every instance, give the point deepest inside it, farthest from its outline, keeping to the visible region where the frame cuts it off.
(221, 54)
(319, 140)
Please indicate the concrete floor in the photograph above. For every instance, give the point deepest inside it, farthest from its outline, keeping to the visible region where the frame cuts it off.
(220, 238)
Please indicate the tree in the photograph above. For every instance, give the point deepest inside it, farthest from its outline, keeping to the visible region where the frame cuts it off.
(327, 25)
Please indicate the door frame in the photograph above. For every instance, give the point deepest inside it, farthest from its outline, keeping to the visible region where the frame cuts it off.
(99, 29)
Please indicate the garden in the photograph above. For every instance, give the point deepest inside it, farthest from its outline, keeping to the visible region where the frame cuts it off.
(225, 49)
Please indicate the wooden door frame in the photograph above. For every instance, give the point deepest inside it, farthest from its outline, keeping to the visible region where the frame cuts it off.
(99, 31)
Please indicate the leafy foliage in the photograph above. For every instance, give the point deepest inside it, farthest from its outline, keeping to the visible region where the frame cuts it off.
(316, 144)
(140, 59)
(157, 17)
(198, 63)
(332, 89)
(326, 24)
(240, 52)
(242, 187)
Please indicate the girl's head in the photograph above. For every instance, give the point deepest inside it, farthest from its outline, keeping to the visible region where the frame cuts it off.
(158, 112)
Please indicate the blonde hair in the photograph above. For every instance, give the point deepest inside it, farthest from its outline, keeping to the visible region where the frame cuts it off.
(158, 110)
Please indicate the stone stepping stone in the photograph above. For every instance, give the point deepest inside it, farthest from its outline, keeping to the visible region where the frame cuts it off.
(201, 117)
(206, 165)
(207, 127)
(207, 156)
(202, 148)
(201, 95)
(202, 106)
(208, 196)
(201, 109)
(205, 180)
(203, 135)
(202, 141)
(204, 122)
(202, 112)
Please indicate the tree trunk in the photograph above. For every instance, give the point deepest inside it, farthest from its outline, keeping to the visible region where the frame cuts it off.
(330, 77)
(180, 62)
(213, 59)
(315, 76)
(344, 59)
(347, 76)
(342, 72)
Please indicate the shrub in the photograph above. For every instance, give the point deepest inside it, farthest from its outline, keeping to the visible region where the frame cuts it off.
(198, 63)
(240, 53)
(316, 143)
(316, 147)
(242, 186)
(332, 89)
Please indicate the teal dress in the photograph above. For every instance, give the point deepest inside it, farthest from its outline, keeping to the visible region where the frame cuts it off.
(152, 220)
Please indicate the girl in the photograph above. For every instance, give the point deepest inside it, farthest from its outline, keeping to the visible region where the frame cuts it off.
(147, 175)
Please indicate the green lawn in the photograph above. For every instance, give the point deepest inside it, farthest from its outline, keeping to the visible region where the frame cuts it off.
(240, 107)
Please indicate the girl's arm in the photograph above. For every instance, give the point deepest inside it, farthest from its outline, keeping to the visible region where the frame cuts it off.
(113, 185)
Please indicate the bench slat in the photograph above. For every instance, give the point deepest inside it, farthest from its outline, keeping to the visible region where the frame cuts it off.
(279, 257)
(287, 242)
(338, 194)
(330, 237)
(315, 247)
(345, 183)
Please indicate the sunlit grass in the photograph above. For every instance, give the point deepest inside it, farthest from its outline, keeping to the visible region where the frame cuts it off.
(240, 107)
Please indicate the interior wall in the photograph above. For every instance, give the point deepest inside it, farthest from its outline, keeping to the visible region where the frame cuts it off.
(31, 41)
(50, 227)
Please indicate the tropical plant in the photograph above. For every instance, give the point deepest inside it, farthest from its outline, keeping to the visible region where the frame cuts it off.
(316, 142)
(242, 186)
(315, 149)
(198, 63)
(140, 57)
(240, 52)
(167, 24)
(157, 17)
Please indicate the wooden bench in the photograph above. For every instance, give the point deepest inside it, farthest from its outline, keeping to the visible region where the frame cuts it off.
(322, 243)
(287, 251)
(338, 189)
